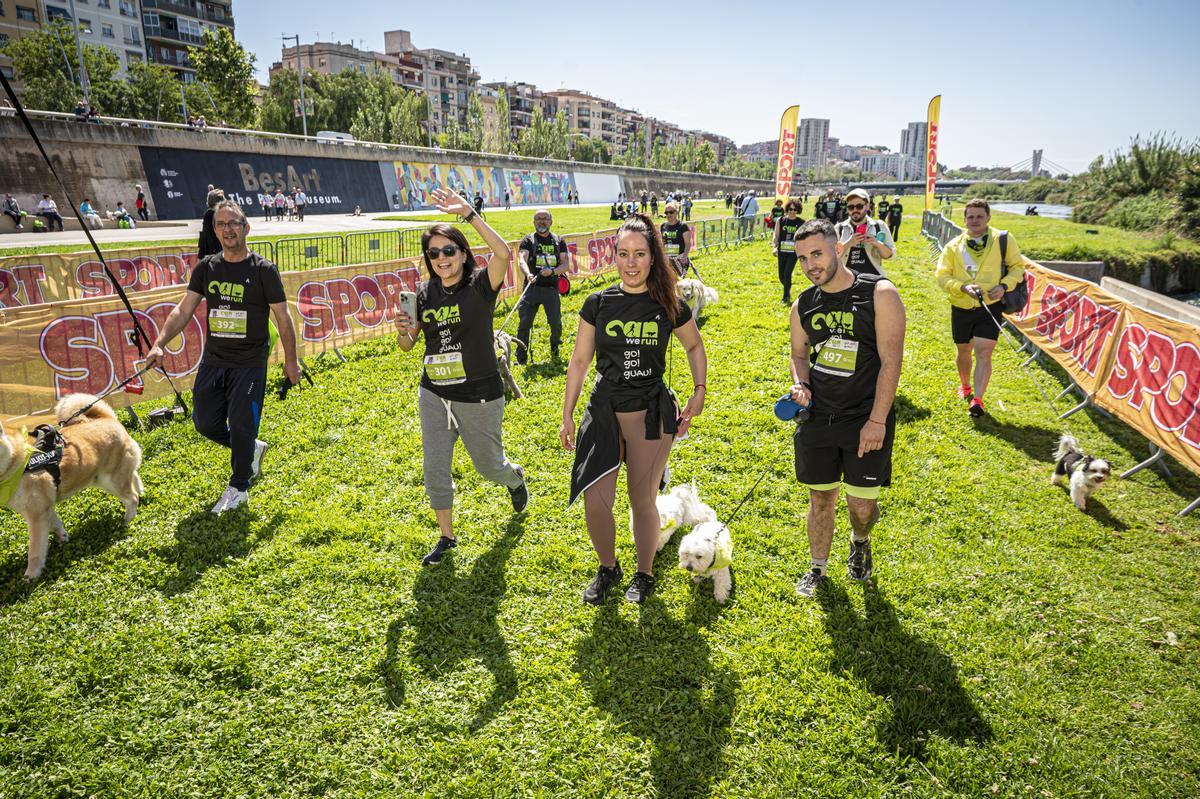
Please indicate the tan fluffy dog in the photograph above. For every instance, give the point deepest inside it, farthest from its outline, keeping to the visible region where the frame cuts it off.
(97, 451)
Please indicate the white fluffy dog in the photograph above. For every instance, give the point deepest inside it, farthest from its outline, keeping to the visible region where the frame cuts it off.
(680, 508)
(1083, 473)
(696, 294)
(707, 551)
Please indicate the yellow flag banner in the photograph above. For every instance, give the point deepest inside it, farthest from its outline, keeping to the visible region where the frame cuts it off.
(785, 164)
(931, 149)
(52, 349)
(1154, 383)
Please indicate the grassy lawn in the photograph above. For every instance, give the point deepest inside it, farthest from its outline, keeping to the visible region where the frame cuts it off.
(1010, 646)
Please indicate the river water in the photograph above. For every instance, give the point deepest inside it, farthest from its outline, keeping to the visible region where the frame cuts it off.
(1043, 209)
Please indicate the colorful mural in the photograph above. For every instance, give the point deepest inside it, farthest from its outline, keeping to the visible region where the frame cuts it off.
(417, 180)
(530, 188)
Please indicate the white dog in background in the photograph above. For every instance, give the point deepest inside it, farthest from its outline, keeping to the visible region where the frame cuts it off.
(707, 551)
(696, 294)
(1083, 473)
(680, 508)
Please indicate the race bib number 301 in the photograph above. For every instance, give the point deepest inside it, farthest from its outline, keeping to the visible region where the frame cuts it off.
(226, 324)
(445, 369)
(838, 356)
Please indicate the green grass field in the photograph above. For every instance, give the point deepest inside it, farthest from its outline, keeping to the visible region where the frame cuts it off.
(1010, 645)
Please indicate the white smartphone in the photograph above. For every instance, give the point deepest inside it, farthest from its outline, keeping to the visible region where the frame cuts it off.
(408, 304)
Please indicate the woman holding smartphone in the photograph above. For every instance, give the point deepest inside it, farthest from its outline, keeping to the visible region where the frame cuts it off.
(632, 415)
(461, 394)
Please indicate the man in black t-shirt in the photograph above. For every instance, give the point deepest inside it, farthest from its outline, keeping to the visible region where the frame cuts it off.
(847, 336)
(243, 293)
(543, 258)
(895, 215)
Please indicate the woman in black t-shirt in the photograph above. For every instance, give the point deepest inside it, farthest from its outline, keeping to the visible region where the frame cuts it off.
(632, 415)
(461, 394)
(784, 246)
(675, 239)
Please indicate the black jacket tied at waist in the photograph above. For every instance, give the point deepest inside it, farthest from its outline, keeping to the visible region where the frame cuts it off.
(598, 445)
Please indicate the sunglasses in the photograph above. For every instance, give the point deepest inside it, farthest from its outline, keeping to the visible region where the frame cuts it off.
(671, 213)
(856, 206)
(449, 251)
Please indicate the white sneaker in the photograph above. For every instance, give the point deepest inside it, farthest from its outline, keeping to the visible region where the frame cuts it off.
(232, 498)
(260, 447)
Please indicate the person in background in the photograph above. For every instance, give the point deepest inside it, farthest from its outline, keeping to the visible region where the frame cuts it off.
(653, 205)
(140, 204)
(895, 216)
(301, 203)
(675, 239)
(280, 205)
(507, 200)
(863, 252)
(881, 208)
(81, 111)
(749, 214)
(777, 211)
(687, 208)
(543, 258)
(209, 244)
(48, 210)
(976, 268)
(12, 209)
(478, 203)
(89, 214)
(123, 217)
(783, 245)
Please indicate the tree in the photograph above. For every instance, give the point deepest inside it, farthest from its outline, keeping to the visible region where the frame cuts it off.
(409, 118)
(227, 71)
(473, 135)
(544, 138)
(153, 92)
(502, 141)
(48, 63)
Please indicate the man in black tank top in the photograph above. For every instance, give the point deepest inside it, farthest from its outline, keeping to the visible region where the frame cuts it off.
(847, 344)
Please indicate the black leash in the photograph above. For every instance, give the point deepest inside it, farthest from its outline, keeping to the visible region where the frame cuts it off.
(112, 390)
(770, 468)
(140, 339)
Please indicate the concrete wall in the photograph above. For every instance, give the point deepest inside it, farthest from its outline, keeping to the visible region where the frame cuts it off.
(1152, 301)
(103, 161)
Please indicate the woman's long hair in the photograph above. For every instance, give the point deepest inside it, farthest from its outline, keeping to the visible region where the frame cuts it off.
(456, 236)
(660, 284)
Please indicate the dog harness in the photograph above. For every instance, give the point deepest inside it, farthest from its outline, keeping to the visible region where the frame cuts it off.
(1073, 462)
(721, 558)
(44, 455)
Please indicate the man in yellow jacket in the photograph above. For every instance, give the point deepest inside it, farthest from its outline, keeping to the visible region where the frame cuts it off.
(971, 273)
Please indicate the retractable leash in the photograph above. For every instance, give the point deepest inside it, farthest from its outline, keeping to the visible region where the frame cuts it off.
(288, 385)
(126, 382)
(139, 337)
(1000, 328)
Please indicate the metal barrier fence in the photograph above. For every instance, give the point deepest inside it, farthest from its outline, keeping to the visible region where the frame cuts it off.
(938, 228)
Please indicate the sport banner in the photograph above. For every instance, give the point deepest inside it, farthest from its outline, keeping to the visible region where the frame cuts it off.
(931, 149)
(786, 161)
(53, 277)
(1154, 383)
(1073, 322)
(53, 349)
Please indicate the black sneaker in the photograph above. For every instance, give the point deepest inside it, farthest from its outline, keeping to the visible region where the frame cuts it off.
(859, 562)
(787, 299)
(520, 494)
(641, 587)
(810, 583)
(597, 589)
(442, 546)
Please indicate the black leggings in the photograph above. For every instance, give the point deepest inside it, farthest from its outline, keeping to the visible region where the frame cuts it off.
(787, 263)
(894, 227)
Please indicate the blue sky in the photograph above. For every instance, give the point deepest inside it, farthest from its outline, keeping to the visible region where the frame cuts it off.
(1076, 79)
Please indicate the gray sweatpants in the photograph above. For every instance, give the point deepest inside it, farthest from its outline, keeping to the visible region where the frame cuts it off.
(479, 425)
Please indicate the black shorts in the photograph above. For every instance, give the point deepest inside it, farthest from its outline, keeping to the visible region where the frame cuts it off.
(975, 323)
(827, 454)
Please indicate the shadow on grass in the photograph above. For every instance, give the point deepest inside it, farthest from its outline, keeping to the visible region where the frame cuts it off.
(655, 678)
(546, 370)
(203, 540)
(1036, 442)
(455, 620)
(917, 680)
(87, 540)
(907, 411)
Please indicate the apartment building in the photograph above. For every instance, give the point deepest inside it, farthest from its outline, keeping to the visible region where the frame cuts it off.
(17, 19)
(447, 79)
(594, 117)
(912, 140)
(522, 99)
(812, 143)
(171, 26)
(115, 24)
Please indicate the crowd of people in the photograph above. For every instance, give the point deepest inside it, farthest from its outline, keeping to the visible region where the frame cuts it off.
(48, 218)
(284, 206)
(647, 203)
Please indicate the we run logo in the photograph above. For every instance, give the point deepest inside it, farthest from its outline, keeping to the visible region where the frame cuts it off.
(643, 332)
(839, 321)
(229, 292)
(447, 314)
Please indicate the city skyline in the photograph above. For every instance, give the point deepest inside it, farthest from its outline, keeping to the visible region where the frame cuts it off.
(1051, 78)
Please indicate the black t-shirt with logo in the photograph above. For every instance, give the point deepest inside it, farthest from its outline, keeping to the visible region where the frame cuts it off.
(632, 334)
(895, 213)
(543, 254)
(673, 237)
(239, 296)
(843, 350)
(858, 259)
(787, 234)
(460, 352)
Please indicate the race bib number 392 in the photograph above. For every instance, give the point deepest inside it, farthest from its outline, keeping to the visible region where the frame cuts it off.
(226, 324)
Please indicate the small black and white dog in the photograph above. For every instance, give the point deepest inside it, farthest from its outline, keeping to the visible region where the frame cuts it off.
(1082, 472)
